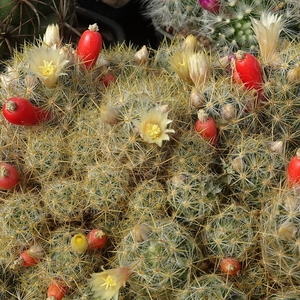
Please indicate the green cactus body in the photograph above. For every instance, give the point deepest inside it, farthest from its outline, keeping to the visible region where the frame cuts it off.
(231, 233)
(45, 157)
(252, 167)
(286, 294)
(210, 287)
(23, 217)
(192, 198)
(280, 236)
(106, 189)
(62, 262)
(147, 199)
(64, 199)
(163, 257)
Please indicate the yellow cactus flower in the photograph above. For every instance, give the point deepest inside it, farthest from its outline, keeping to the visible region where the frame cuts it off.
(153, 126)
(46, 63)
(107, 284)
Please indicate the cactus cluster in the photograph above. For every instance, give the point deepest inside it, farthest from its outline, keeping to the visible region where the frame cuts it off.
(125, 157)
(225, 24)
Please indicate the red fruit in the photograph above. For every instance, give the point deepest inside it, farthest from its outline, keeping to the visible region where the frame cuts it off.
(89, 46)
(20, 111)
(206, 127)
(293, 170)
(56, 290)
(28, 260)
(230, 265)
(249, 70)
(9, 176)
(96, 238)
(108, 79)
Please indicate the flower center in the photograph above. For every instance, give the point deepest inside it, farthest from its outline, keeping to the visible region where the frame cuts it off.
(109, 282)
(47, 69)
(152, 130)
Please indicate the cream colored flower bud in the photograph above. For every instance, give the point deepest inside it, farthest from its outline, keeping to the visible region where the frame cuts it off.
(199, 68)
(51, 36)
(197, 99)
(277, 147)
(228, 111)
(141, 57)
(109, 115)
(238, 164)
(287, 231)
(140, 232)
(293, 75)
(189, 44)
(179, 180)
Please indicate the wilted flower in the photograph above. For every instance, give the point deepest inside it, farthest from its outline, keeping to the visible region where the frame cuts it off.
(267, 31)
(51, 36)
(287, 231)
(199, 68)
(46, 63)
(106, 284)
(153, 126)
(179, 63)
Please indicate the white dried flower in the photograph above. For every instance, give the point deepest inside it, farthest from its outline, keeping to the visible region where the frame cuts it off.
(46, 63)
(51, 36)
(267, 31)
(287, 231)
(153, 126)
(106, 284)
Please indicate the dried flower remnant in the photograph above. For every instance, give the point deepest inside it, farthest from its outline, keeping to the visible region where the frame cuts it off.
(287, 231)
(153, 127)
(46, 63)
(106, 284)
(267, 31)
(141, 57)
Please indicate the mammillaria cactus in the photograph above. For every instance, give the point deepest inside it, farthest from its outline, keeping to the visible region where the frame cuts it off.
(161, 259)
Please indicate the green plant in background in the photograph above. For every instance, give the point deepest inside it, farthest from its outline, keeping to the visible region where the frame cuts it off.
(22, 21)
(227, 27)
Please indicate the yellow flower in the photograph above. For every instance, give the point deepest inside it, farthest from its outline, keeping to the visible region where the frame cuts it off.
(106, 284)
(267, 31)
(153, 126)
(79, 243)
(46, 63)
(51, 36)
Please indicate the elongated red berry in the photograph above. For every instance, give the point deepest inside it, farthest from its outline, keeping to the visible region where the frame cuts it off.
(293, 170)
(89, 46)
(20, 111)
(249, 70)
(96, 238)
(206, 127)
(9, 176)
